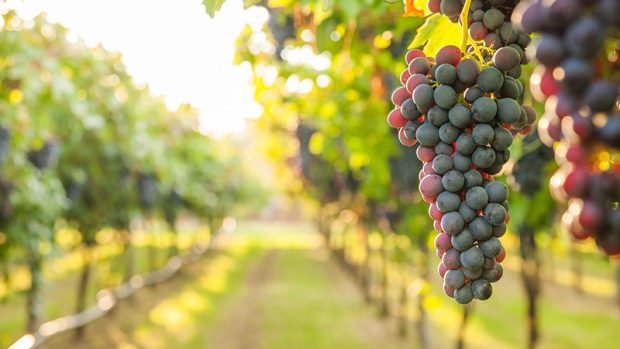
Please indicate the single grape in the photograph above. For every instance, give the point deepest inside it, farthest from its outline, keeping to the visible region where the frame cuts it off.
(472, 258)
(451, 259)
(473, 93)
(497, 191)
(452, 223)
(478, 31)
(448, 202)
(577, 75)
(416, 80)
(484, 109)
(508, 33)
(602, 95)
(425, 154)
(445, 96)
(506, 58)
(437, 116)
(396, 119)
(493, 275)
(499, 230)
(480, 229)
(449, 54)
(461, 162)
(444, 148)
(430, 186)
(483, 134)
(510, 88)
(492, 40)
(443, 242)
(442, 163)
(483, 157)
(476, 198)
(434, 6)
(445, 74)
(490, 79)
(427, 134)
(550, 50)
(610, 132)
(423, 95)
(482, 289)
(465, 144)
(412, 54)
(410, 129)
(468, 70)
(495, 213)
(502, 139)
(419, 65)
(464, 295)
(491, 247)
(454, 278)
(460, 116)
(467, 212)
(493, 18)
(508, 110)
(462, 241)
(453, 181)
(448, 133)
(409, 110)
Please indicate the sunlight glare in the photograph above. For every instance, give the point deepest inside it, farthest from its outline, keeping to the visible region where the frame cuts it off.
(178, 51)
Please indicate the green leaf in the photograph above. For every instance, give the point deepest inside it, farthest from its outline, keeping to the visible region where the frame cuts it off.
(212, 6)
(435, 33)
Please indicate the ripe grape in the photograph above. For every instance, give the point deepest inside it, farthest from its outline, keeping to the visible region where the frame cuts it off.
(490, 79)
(445, 96)
(464, 295)
(506, 58)
(452, 223)
(462, 241)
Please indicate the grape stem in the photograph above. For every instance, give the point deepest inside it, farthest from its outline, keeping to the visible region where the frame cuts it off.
(465, 32)
(465, 25)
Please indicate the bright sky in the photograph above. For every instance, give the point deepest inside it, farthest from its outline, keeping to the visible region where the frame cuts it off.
(171, 45)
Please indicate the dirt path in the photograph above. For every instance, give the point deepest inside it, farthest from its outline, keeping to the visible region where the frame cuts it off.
(239, 326)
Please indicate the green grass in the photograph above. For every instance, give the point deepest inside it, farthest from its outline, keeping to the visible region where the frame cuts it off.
(297, 298)
(308, 307)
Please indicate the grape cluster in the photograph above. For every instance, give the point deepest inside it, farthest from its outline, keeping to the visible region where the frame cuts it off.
(462, 113)
(45, 157)
(578, 77)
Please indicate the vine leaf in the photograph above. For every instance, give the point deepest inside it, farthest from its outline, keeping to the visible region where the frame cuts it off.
(436, 32)
(212, 6)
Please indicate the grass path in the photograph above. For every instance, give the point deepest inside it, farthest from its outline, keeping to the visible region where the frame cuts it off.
(273, 289)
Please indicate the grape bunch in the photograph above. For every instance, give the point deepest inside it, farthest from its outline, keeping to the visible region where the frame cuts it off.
(462, 113)
(46, 156)
(578, 77)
